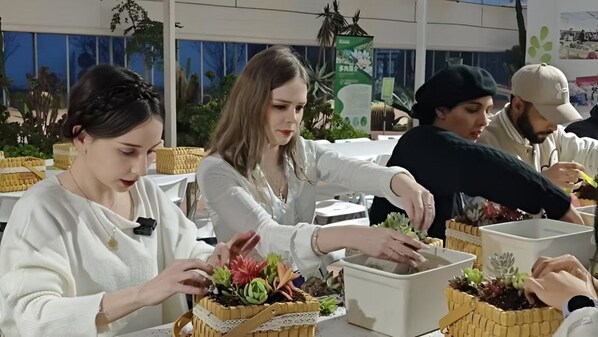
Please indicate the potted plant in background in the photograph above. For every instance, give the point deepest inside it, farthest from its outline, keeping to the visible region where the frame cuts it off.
(462, 232)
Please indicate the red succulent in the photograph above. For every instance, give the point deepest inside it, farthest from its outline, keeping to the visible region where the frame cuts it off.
(244, 270)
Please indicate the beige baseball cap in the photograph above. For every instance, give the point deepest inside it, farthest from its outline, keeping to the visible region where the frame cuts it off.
(546, 87)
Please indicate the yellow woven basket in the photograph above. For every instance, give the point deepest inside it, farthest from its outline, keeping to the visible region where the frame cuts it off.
(20, 173)
(178, 160)
(465, 238)
(470, 317)
(253, 317)
(64, 155)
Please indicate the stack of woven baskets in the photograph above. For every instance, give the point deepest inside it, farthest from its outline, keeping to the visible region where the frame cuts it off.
(20, 173)
(178, 160)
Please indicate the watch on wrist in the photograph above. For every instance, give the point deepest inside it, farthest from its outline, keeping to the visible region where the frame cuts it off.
(578, 302)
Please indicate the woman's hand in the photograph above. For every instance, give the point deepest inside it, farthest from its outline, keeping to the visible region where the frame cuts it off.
(418, 202)
(241, 244)
(572, 216)
(389, 244)
(569, 263)
(182, 276)
(555, 289)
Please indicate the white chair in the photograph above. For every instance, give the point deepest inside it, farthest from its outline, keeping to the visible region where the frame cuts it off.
(333, 210)
(353, 140)
(387, 137)
(174, 188)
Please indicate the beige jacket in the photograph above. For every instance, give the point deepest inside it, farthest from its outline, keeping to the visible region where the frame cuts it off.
(560, 146)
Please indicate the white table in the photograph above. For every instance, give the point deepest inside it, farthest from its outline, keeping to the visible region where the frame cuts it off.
(328, 326)
(364, 150)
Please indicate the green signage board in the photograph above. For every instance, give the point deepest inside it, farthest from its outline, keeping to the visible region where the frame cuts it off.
(388, 84)
(353, 79)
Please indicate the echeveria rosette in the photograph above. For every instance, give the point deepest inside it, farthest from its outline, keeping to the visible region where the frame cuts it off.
(222, 277)
(256, 292)
(474, 276)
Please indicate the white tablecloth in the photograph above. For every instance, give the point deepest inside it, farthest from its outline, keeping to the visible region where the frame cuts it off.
(364, 150)
(328, 326)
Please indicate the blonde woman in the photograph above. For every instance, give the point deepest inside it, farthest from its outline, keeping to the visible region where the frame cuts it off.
(262, 175)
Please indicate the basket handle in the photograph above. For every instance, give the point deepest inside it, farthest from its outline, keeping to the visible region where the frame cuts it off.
(255, 321)
(33, 170)
(455, 315)
(180, 323)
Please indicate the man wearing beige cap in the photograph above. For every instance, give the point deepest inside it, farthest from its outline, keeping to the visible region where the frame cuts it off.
(530, 127)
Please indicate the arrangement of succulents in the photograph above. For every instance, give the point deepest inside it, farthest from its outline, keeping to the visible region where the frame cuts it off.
(484, 212)
(248, 282)
(504, 290)
(401, 223)
(587, 191)
(329, 291)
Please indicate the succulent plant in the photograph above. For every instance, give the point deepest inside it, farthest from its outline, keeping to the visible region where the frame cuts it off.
(501, 265)
(283, 283)
(256, 291)
(245, 269)
(482, 212)
(270, 271)
(318, 287)
(474, 276)
(222, 277)
(401, 223)
(327, 306)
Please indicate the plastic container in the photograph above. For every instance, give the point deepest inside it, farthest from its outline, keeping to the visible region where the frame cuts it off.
(530, 239)
(587, 214)
(385, 299)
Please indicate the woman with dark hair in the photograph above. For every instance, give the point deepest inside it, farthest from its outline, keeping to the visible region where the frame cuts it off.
(564, 283)
(73, 261)
(443, 156)
(261, 174)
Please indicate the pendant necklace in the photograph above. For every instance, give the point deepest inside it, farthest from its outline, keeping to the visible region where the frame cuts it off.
(112, 243)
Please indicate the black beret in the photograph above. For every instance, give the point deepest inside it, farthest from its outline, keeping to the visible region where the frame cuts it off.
(449, 87)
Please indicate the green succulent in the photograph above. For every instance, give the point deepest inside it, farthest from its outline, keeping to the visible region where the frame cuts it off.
(473, 275)
(399, 222)
(270, 272)
(327, 305)
(519, 279)
(256, 292)
(222, 277)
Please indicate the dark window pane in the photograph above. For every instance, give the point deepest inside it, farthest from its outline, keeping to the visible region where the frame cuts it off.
(82, 55)
(51, 54)
(118, 51)
(429, 64)
(312, 55)
(467, 58)
(440, 59)
(190, 56)
(104, 50)
(135, 62)
(300, 50)
(236, 57)
(253, 49)
(213, 64)
(18, 55)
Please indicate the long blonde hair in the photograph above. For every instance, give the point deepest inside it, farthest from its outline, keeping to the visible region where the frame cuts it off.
(240, 137)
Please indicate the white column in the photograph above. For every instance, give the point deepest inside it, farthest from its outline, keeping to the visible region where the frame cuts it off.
(169, 74)
(420, 45)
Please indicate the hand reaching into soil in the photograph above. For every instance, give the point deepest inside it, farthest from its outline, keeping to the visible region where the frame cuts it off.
(556, 288)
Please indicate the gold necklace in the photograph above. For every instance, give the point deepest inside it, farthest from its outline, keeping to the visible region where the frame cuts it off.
(112, 243)
(280, 186)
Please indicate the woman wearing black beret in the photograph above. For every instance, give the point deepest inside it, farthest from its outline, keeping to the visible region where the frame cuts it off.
(443, 156)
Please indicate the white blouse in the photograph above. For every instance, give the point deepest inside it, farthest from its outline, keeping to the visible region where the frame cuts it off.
(234, 203)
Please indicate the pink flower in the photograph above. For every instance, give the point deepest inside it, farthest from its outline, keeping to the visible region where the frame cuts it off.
(244, 270)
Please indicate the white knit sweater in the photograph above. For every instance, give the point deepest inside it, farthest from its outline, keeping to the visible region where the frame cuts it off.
(55, 265)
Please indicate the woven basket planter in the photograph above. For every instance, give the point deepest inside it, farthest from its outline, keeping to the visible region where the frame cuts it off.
(178, 160)
(470, 317)
(282, 319)
(64, 155)
(465, 238)
(20, 173)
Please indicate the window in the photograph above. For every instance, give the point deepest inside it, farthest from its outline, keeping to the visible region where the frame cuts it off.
(236, 57)
(51, 54)
(82, 56)
(213, 65)
(118, 51)
(104, 50)
(253, 49)
(19, 62)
